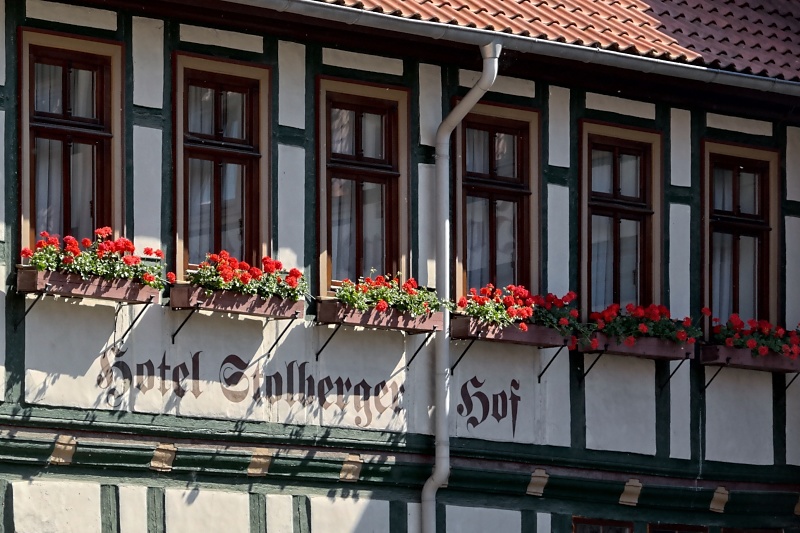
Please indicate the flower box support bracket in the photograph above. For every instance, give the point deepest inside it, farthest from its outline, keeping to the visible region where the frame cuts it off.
(185, 320)
(283, 332)
(460, 357)
(599, 355)
(550, 362)
(421, 346)
(335, 331)
(30, 308)
(713, 378)
(792, 380)
(133, 322)
(674, 371)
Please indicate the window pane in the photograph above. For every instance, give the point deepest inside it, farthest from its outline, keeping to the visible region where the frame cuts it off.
(82, 93)
(478, 255)
(723, 189)
(201, 209)
(48, 91)
(748, 274)
(372, 135)
(82, 179)
(602, 262)
(201, 110)
(748, 193)
(48, 158)
(722, 274)
(233, 115)
(477, 151)
(628, 262)
(602, 169)
(343, 229)
(505, 150)
(343, 132)
(629, 175)
(374, 223)
(232, 209)
(506, 257)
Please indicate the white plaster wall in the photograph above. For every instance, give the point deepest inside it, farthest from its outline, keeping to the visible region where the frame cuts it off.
(3, 176)
(430, 102)
(366, 62)
(793, 421)
(291, 84)
(680, 157)
(552, 399)
(621, 404)
(148, 62)
(349, 515)
(147, 146)
(543, 523)
(558, 239)
(193, 510)
(291, 204)
(621, 106)
(280, 517)
(558, 127)
(680, 415)
(426, 261)
(503, 84)
(65, 506)
(792, 268)
(739, 426)
(679, 259)
(482, 519)
(3, 45)
(132, 509)
(67, 14)
(3, 291)
(792, 163)
(414, 517)
(742, 125)
(485, 385)
(224, 38)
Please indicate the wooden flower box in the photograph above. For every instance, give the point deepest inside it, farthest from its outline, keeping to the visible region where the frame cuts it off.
(334, 312)
(744, 358)
(30, 280)
(645, 347)
(192, 296)
(467, 327)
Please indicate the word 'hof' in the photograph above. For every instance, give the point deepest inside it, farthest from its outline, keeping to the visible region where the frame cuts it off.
(239, 381)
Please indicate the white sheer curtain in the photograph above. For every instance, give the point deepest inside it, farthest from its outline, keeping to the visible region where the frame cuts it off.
(201, 209)
(343, 229)
(48, 92)
(748, 274)
(233, 115)
(477, 241)
(723, 189)
(372, 136)
(628, 262)
(505, 149)
(82, 93)
(48, 173)
(722, 274)
(82, 182)
(343, 134)
(602, 262)
(232, 209)
(506, 238)
(201, 110)
(374, 224)
(602, 168)
(629, 175)
(748, 193)
(477, 151)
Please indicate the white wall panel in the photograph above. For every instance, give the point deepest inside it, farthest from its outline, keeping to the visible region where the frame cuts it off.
(194, 510)
(62, 506)
(680, 140)
(559, 127)
(292, 84)
(280, 514)
(558, 239)
(224, 38)
(680, 415)
(148, 62)
(621, 106)
(67, 14)
(147, 146)
(426, 198)
(792, 422)
(679, 259)
(742, 125)
(503, 84)
(290, 205)
(482, 519)
(369, 63)
(543, 523)
(430, 102)
(132, 509)
(792, 269)
(792, 163)
(349, 515)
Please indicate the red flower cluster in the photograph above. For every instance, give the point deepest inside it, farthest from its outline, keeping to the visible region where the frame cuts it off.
(760, 336)
(644, 321)
(385, 292)
(501, 306)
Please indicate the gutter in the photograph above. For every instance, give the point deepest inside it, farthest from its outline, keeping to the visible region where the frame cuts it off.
(474, 36)
(441, 468)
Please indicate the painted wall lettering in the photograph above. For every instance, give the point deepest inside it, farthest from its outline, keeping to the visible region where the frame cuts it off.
(477, 405)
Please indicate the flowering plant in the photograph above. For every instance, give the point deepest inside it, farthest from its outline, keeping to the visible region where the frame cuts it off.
(110, 259)
(637, 321)
(498, 306)
(759, 336)
(223, 272)
(384, 292)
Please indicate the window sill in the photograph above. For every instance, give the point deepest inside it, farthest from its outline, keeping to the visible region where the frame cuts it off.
(716, 355)
(185, 296)
(465, 327)
(334, 312)
(645, 347)
(30, 280)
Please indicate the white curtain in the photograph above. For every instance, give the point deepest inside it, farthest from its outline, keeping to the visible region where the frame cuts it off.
(722, 274)
(748, 274)
(343, 229)
(723, 189)
(233, 115)
(629, 175)
(201, 110)
(201, 209)
(48, 92)
(374, 224)
(748, 193)
(82, 93)
(505, 149)
(602, 168)
(372, 135)
(628, 262)
(506, 238)
(82, 183)
(602, 262)
(477, 151)
(477, 241)
(48, 157)
(232, 209)
(343, 134)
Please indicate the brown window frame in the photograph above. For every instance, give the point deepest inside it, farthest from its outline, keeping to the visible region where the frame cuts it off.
(220, 150)
(494, 187)
(740, 224)
(600, 522)
(619, 207)
(67, 129)
(361, 169)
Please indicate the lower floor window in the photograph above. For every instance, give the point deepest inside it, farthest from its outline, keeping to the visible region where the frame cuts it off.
(615, 260)
(492, 236)
(601, 526)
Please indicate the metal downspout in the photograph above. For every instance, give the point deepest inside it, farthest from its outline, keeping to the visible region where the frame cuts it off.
(441, 469)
